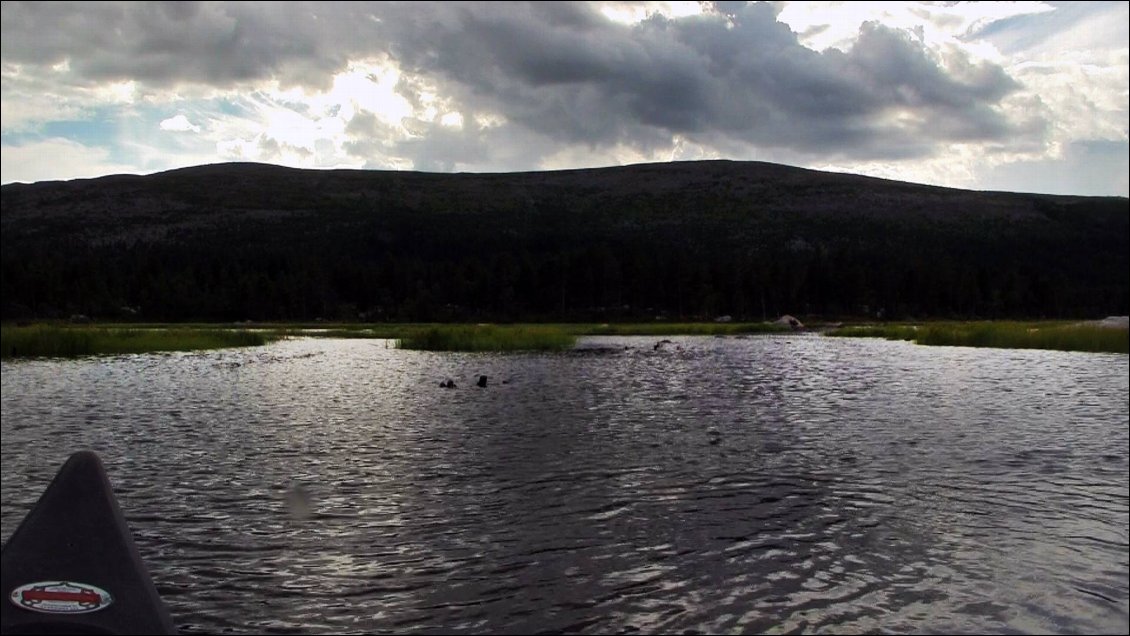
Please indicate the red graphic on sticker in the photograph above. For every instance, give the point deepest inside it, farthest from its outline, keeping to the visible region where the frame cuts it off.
(60, 597)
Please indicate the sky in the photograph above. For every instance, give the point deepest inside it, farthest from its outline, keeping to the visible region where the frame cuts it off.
(1018, 96)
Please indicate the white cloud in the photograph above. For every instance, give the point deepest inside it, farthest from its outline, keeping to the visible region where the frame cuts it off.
(634, 12)
(836, 24)
(452, 119)
(179, 123)
(28, 99)
(53, 159)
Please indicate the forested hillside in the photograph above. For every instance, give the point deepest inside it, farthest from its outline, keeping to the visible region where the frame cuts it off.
(679, 240)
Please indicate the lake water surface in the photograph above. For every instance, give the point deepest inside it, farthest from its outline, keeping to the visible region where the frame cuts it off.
(716, 485)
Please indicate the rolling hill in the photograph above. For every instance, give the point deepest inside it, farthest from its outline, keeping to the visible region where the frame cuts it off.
(685, 240)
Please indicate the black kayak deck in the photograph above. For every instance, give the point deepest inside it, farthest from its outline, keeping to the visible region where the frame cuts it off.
(72, 550)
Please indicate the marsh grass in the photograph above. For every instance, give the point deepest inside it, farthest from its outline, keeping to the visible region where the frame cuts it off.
(1057, 336)
(488, 338)
(553, 337)
(675, 328)
(386, 331)
(65, 340)
(81, 340)
(407, 330)
(73, 341)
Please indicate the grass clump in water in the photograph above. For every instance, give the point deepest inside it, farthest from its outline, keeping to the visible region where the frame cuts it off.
(74, 341)
(1005, 335)
(488, 338)
(890, 332)
(677, 328)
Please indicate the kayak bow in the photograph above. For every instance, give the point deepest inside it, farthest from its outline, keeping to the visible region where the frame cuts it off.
(72, 567)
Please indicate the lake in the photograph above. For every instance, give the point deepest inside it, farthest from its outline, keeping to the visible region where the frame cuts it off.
(713, 485)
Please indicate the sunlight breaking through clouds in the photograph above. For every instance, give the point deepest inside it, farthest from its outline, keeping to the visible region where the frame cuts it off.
(927, 92)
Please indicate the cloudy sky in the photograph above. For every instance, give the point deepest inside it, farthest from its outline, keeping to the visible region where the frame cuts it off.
(1024, 96)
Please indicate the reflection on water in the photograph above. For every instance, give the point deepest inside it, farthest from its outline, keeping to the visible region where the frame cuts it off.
(721, 485)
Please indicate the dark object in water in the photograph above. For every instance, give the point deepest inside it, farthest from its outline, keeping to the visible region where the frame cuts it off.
(71, 567)
(715, 435)
(447, 384)
(482, 381)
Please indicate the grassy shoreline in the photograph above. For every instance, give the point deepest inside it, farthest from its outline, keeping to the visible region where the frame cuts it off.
(67, 340)
(1048, 335)
(55, 341)
(488, 338)
(74, 340)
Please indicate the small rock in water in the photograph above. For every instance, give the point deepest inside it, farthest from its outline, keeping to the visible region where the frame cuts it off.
(482, 381)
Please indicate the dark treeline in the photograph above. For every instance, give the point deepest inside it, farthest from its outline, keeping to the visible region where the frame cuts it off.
(682, 241)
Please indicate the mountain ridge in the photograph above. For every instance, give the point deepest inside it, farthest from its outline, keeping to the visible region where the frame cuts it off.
(210, 168)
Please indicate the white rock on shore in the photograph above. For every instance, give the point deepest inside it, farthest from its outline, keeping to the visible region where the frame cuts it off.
(1113, 322)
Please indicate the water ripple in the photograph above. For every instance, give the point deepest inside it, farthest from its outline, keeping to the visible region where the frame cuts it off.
(717, 485)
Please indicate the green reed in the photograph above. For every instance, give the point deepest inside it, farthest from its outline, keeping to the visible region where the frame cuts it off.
(1057, 336)
(488, 338)
(675, 328)
(72, 341)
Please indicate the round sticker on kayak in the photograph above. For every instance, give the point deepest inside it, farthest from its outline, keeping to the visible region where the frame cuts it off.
(61, 597)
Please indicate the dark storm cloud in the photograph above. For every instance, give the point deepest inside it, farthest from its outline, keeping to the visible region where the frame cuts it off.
(739, 74)
(561, 72)
(166, 43)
